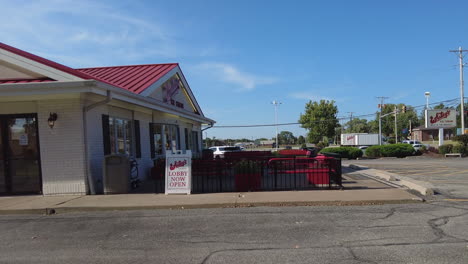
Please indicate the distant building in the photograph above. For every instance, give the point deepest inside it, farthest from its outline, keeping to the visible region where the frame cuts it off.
(266, 142)
(426, 134)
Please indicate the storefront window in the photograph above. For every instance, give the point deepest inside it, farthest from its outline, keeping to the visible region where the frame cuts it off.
(194, 141)
(120, 136)
(157, 138)
(163, 137)
(188, 139)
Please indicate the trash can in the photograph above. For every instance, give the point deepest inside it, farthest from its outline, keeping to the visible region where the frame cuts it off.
(116, 174)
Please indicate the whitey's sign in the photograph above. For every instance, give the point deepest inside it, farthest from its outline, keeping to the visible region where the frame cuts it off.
(441, 118)
(178, 173)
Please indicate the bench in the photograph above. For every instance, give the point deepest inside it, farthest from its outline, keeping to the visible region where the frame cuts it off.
(453, 155)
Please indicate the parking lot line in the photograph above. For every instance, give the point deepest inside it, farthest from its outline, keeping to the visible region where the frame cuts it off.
(456, 200)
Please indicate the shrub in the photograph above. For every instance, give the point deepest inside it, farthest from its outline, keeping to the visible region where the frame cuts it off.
(321, 145)
(373, 151)
(303, 146)
(462, 139)
(397, 150)
(344, 152)
(423, 149)
(433, 150)
(393, 150)
(444, 149)
(460, 149)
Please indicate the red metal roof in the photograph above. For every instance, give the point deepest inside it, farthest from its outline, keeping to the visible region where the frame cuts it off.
(134, 78)
(2, 81)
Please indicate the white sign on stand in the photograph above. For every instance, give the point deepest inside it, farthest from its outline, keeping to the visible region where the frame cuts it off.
(179, 172)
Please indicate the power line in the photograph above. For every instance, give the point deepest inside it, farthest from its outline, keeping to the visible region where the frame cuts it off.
(330, 120)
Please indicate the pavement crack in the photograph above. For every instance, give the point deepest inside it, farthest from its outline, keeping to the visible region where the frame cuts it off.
(436, 225)
(64, 202)
(205, 260)
(356, 258)
(390, 214)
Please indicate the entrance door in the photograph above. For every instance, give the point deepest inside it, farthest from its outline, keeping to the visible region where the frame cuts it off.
(19, 155)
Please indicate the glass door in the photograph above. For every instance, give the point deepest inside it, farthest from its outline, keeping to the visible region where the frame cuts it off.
(3, 188)
(20, 156)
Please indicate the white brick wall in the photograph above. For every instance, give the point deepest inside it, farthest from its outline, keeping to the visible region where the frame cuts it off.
(95, 140)
(95, 144)
(62, 147)
(145, 163)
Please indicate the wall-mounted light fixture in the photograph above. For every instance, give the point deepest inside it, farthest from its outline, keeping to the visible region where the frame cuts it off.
(52, 119)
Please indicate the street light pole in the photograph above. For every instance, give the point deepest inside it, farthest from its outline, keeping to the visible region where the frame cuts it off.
(276, 103)
(427, 94)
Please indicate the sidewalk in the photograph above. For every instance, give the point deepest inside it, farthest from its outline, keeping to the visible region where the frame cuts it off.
(358, 190)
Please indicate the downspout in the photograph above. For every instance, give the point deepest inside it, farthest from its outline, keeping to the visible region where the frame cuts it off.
(206, 128)
(86, 109)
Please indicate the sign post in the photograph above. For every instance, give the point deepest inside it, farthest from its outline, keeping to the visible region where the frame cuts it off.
(179, 173)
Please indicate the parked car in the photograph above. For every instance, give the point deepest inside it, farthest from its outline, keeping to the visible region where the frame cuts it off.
(417, 147)
(218, 151)
(415, 144)
(411, 142)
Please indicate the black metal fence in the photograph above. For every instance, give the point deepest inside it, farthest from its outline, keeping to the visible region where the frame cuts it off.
(259, 174)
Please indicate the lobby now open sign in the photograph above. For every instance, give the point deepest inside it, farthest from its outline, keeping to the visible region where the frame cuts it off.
(179, 173)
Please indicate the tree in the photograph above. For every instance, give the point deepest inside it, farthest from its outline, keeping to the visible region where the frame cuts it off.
(439, 106)
(208, 142)
(301, 140)
(286, 137)
(357, 125)
(403, 120)
(319, 119)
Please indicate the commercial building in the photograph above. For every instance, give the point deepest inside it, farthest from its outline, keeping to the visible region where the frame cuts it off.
(58, 123)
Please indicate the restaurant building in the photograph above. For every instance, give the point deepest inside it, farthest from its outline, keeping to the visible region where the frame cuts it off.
(58, 123)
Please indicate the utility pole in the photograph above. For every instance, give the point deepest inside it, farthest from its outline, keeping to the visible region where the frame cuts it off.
(396, 127)
(351, 121)
(382, 98)
(411, 131)
(462, 97)
(276, 103)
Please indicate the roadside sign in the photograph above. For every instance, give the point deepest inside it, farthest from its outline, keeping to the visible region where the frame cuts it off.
(179, 173)
(441, 118)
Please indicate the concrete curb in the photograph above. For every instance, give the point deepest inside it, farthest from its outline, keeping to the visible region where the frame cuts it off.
(62, 210)
(423, 188)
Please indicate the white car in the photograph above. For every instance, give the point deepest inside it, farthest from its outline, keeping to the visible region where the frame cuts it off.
(219, 151)
(412, 142)
(417, 147)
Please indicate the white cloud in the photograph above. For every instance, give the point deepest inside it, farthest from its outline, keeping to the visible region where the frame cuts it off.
(90, 31)
(230, 74)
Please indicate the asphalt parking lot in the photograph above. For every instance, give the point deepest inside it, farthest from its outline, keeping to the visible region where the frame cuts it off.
(449, 176)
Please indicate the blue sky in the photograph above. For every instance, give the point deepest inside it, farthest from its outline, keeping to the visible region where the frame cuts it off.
(239, 56)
